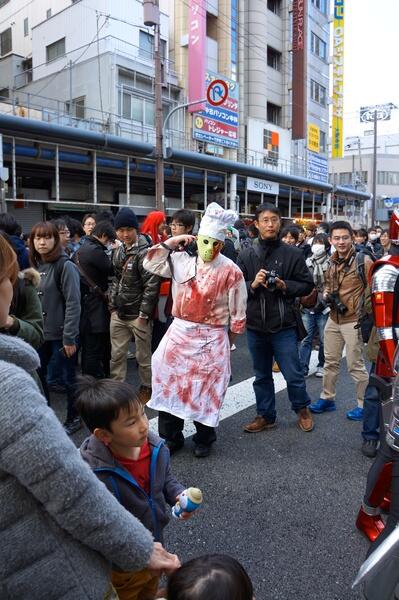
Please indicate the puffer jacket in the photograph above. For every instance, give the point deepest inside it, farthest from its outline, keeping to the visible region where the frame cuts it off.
(342, 277)
(134, 290)
(60, 528)
(26, 309)
(150, 509)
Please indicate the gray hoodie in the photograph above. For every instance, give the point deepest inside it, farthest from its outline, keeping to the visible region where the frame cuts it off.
(60, 528)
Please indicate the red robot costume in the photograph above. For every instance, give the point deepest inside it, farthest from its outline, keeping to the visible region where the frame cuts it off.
(382, 491)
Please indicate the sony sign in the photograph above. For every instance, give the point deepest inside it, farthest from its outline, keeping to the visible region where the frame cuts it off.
(262, 186)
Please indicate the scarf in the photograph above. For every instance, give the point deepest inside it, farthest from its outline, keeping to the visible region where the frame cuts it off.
(319, 265)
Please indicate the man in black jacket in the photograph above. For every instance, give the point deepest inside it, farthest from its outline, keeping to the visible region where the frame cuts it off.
(95, 269)
(275, 274)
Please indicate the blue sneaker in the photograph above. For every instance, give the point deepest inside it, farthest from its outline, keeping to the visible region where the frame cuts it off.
(356, 414)
(322, 405)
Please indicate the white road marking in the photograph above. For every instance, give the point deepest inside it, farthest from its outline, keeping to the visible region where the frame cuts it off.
(239, 397)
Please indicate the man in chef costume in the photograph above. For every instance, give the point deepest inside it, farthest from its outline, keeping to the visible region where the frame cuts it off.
(191, 366)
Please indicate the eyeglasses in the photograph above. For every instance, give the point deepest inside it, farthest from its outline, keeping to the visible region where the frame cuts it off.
(273, 221)
(173, 225)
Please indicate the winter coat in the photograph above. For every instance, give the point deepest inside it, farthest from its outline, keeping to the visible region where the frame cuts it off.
(21, 251)
(60, 528)
(60, 297)
(149, 509)
(271, 311)
(375, 248)
(342, 277)
(26, 310)
(134, 289)
(93, 261)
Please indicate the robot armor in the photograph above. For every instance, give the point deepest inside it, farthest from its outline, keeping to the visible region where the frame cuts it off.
(394, 227)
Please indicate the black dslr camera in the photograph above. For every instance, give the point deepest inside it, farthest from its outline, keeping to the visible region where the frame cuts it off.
(270, 279)
(334, 301)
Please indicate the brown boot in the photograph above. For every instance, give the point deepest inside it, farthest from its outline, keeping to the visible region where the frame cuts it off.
(259, 424)
(145, 394)
(305, 420)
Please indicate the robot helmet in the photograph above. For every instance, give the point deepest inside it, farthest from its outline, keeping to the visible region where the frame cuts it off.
(394, 227)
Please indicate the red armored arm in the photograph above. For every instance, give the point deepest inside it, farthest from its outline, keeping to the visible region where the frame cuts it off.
(384, 278)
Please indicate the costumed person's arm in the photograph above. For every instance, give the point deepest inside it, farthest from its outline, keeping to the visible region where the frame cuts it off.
(156, 259)
(237, 307)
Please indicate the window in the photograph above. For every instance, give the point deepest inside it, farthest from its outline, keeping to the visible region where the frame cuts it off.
(55, 50)
(78, 107)
(318, 93)
(146, 46)
(321, 5)
(48, 13)
(270, 145)
(318, 46)
(273, 58)
(323, 141)
(345, 179)
(388, 177)
(5, 42)
(273, 113)
(274, 6)
(26, 27)
(137, 109)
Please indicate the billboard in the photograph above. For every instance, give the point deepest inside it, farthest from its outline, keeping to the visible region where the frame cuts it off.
(383, 112)
(299, 70)
(218, 124)
(196, 52)
(313, 138)
(338, 80)
(317, 167)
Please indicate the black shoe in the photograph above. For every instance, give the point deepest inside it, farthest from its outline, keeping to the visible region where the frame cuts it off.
(174, 446)
(202, 451)
(369, 448)
(72, 425)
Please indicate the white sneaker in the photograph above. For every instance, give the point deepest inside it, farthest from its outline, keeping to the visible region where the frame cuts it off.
(319, 372)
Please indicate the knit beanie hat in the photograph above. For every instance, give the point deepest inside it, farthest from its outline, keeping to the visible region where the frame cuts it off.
(126, 218)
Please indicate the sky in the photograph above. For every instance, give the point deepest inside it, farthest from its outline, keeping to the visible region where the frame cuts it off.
(371, 74)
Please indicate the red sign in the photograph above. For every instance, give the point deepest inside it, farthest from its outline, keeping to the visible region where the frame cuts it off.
(299, 70)
(217, 92)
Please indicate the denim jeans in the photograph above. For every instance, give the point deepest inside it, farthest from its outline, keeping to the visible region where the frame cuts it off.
(313, 322)
(283, 346)
(68, 365)
(371, 414)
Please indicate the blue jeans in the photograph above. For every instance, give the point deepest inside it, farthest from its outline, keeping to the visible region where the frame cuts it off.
(371, 414)
(313, 322)
(283, 346)
(68, 366)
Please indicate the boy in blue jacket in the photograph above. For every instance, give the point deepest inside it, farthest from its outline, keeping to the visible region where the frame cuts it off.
(132, 462)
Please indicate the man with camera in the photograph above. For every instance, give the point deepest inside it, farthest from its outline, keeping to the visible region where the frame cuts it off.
(275, 274)
(344, 293)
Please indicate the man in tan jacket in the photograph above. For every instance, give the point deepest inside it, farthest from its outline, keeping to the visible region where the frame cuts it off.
(344, 293)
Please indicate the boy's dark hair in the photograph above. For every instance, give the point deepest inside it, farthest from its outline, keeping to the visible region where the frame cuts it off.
(361, 232)
(292, 229)
(104, 228)
(198, 579)
(266, 206)
(99, 401)
(75, 227)
(341, 225)
(9, 225)
(187, 217)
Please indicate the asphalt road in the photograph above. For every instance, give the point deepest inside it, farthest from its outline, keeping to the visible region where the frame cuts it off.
(283, 502)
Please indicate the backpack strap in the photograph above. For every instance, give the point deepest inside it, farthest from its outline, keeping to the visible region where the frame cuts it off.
(58, 270)
(360, 268)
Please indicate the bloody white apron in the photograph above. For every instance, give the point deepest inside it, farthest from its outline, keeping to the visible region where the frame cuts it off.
(191, 371)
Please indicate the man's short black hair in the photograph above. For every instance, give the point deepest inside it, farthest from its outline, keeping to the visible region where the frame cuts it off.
(74, 226)
(370, 229)
(100, 401)
(104, 228)
(185, 216)
(9, 224)
(341, 225)
(292, 229)
(324, 225)
(105, 215)
(361, 232)
(59, 224)
(267, 206)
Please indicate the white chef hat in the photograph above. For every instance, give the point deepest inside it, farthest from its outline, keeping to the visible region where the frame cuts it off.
(215, 221)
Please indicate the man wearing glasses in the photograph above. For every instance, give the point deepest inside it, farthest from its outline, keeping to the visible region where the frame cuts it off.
(344, 294)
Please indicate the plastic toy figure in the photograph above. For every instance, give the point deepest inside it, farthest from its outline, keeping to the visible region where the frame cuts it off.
(189, 501)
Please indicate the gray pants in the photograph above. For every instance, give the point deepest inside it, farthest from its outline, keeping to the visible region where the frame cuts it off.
(122, 331)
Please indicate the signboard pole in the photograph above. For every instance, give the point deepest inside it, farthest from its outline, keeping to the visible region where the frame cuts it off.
(373, 200)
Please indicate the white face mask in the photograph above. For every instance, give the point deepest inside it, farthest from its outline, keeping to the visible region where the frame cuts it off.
(373, 237)
(318, 249)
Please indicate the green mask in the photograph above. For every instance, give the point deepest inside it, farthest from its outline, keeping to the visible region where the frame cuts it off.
(208, 248)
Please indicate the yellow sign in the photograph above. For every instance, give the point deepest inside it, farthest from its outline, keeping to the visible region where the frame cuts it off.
(338, 80)
(313, 138)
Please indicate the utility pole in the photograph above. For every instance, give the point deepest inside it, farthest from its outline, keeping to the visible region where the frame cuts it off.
(374, 199)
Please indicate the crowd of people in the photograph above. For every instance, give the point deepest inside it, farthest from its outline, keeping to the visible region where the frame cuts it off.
(74, 298)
